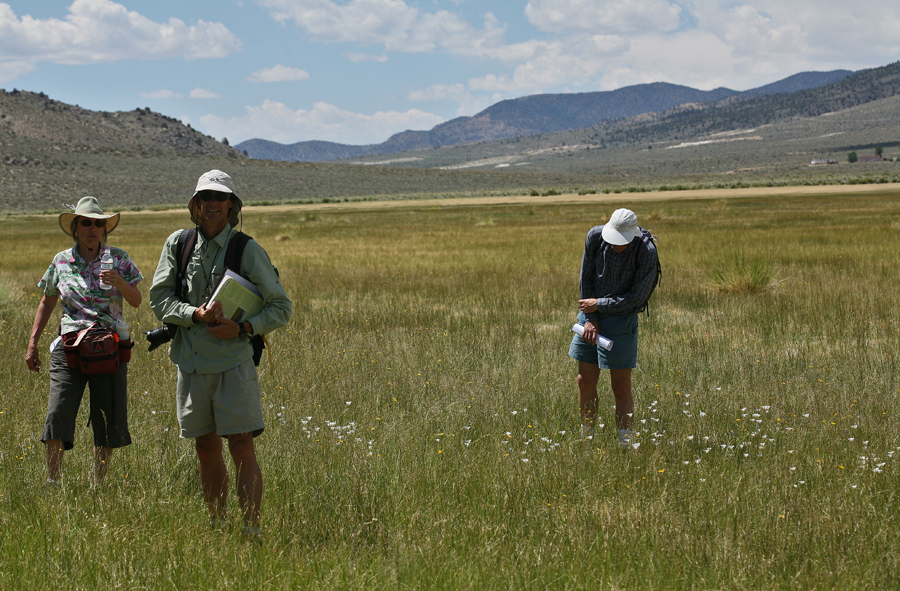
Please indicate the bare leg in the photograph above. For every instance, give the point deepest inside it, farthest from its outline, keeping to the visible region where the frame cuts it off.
(54, 450)
(213, 474)
(588, 375)
(249, 476)
(620, 379)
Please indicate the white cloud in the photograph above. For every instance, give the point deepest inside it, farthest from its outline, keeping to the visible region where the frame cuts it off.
(202, 93)
(494, 83)
(745, 44)
(610, 45)
(161, 94)
(275, 121)
(469, 102)
(365, 57)
(750, 32)
(13, 69)
(766, 35)
(97, 31)
(592, 16)
(692, 58)
(392, 24)
(439, 92)
(596, 45)
(580, 61)
(278, 73)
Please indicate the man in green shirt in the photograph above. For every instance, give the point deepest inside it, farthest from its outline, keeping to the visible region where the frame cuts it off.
(218, 387)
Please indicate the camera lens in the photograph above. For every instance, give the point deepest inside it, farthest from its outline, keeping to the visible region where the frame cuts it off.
(160, 336)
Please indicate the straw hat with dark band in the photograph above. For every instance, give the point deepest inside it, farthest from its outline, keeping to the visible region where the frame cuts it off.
(88, 207)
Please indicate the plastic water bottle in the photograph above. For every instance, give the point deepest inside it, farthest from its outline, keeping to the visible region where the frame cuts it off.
(106, 264)
(122, 330)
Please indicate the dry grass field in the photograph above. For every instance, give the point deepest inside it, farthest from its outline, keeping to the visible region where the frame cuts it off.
(422, 427)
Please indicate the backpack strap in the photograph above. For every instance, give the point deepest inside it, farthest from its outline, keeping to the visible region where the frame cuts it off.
(233, 256)
(596, 245)
(185, 247)
(647, 236)
(183, 250)
(235, 252)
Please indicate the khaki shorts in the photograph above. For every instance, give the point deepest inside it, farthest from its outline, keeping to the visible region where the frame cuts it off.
(226, 403)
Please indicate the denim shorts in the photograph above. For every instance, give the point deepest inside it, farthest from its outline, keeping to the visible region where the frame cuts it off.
(227, 403)
(621, 330)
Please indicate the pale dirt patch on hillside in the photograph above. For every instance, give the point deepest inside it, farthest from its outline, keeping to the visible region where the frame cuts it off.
(519, 158)
(722, 141)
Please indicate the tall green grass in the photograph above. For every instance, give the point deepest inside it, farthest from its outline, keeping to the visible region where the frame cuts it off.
(422, 420)
(735, 273)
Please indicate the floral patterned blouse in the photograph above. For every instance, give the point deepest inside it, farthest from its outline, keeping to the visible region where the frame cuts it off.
(77, 284)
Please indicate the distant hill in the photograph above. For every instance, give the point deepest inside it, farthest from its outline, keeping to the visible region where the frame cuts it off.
(798, 82)
(832, 119)
(35, 117)
(544, 113)
(741, 112)
(313, 151)
(53, 153)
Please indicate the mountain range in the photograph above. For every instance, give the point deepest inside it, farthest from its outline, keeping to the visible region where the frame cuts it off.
(537, 114)
(52, 152)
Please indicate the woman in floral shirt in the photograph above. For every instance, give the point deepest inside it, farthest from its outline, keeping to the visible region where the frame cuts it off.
(74, 276)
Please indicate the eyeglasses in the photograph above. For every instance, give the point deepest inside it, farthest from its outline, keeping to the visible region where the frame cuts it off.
(87, 223)
(217, 195)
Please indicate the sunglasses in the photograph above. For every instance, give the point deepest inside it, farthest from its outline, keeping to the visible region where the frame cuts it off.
(217, 195)
(87, 223)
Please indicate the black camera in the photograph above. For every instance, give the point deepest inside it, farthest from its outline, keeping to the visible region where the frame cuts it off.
(160, 336)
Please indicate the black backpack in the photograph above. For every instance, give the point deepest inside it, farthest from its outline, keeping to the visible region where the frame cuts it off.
(646, 236)
(233, 254)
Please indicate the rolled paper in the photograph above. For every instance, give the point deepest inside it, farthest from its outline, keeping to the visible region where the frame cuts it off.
(602, 342)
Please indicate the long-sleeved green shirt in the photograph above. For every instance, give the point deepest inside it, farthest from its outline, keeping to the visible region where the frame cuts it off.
(194, 349)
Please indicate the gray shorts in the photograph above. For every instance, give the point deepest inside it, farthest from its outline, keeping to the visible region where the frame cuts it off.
(108, 407)
(227, 403)
(621, 330)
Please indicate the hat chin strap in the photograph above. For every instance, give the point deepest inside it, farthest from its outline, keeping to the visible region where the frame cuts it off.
(88, 248)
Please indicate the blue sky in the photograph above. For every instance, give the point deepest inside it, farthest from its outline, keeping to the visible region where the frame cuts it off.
(358, 71)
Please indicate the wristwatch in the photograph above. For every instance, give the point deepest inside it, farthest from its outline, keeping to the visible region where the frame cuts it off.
(243, 330)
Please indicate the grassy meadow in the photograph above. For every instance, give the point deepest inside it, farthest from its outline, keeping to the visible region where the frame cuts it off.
(422, 424)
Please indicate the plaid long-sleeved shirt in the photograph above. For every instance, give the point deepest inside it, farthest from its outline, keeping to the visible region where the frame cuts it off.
(620, 286)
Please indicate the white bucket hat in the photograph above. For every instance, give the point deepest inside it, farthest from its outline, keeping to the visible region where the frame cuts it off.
(216, 180)
(88, 207)
(622, 227)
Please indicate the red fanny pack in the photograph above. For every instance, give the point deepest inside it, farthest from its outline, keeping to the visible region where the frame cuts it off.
(95, 350)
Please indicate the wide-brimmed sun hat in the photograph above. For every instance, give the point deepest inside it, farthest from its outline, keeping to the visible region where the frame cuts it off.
(622, 227)
(216, 180)
(88, 207)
